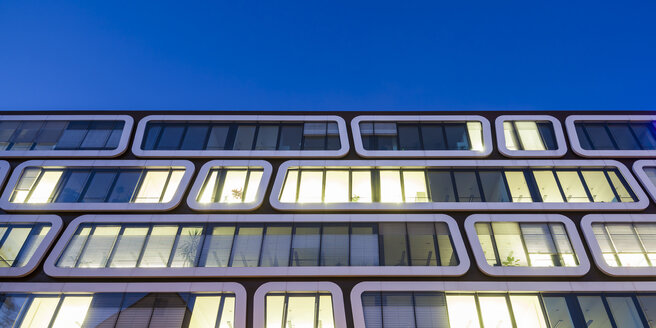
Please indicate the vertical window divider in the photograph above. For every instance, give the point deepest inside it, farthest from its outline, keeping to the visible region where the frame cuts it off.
(350, 185)
(402, 182)
(12, 138)
(303, 136)
(56, 311)
(407, 245)
(110, 258)
(506, 185)
(478, 310)
(220, 312)
(510, 310)
(455, 186)
(34, 184)
(218, 185)
(135, 192)
(87, 184)
(610, 134)
(113, 184)
(265, 228)
(145, 244)
(438, 259)
(279, 135)
(585, 186)
(521, 236)
(207, 137)
(560, 254)
(184, 135)
(39, 133)
(608, 311)
(642, 244)
(414, 308)
(244, 189)
(166, 184)
(317, 298)
(587, 135)
(635, 136)
(258, 125)
(159, 137)
(612, 244)
(323, 184)
(62, 181)
(375, 185)
(560, 187)
(520, 144)
(178, 235)
(84, 247)
(291, 245)
(494, 244)
(320, 243)
(481, 191)
(612, 186)
(298, 183)
(285, 308)
(640, 309)
(429, 192)
(532, 185)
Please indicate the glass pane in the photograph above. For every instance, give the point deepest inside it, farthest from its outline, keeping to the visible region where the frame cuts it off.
(371, 308)
(49, 134)
(475, 131)
(623, 137)
(599, 136)
(422, 244)
(325, 316)
(247, 245)
(594, 313)
(563, 245)
(98, 187)
(518, 187)
(99, 246)
(74, 248)
(444, 245)
(548, 135)
(572, 187)
(169, 310)
(244, 137)
(456, 136)
(385, 136)
(394, 244)
(645, 134)
(558, 312)
(462, 311)
(301, 311)
(314, 134)
(433, 137)
(599, 187)
(228, 313)
(103, 310)
(337, 186)
(414, 186)
(484, 232)
(267, 137)
(7, 129)
(509, 244)
(494, 188)
(10, 308)
(390, 186)
(207, 194)
(276, 246)
(125, 185)
(275, 306)
(41, 193)
(441, 187)
(158, 248)
(233, 186)
(73, 187)
(467, 186)
(361, 186)
(25, 184)
(335, 245)
(430, 310)
(206, 310)
(624, 311)
(40, 312)
(152, 187)
(539, 245)
(128, 247)
(195, 137)
(583, 138)
(398, 310)
(72, 311)
(509, 135)
(305, 246)
(218, 137)
(97, 136)
(494, 311)
(409, 137)
(187, 248)
(72, 136)
(620, 187)
(529, 135)
(171, 137)
(152, 134)
(115, 136)
(288, 193)
(290, 137)
(648, 305)
(528, 311)
(37, 235)
(172, 185)
(364, 245)
(218, 246)
(548, 186)
(12, 244)
(136, 311)
(311, 187)
(253, 186)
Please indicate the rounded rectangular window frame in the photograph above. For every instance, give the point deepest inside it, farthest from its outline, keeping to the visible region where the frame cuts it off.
(339, 311)
(570, 125)
(141, 130)
(586, 226)
(558, 132)
(276, 191)
(136, 287)
(516, 271)
(120, 149)
(51, 269)
(40, 252)
(192, 198)
(359, 147)
(6, 204)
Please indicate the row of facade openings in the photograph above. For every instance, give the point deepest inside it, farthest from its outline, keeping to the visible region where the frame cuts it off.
(325, 136)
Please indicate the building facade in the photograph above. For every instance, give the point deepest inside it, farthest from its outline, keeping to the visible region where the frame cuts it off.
(328, 219)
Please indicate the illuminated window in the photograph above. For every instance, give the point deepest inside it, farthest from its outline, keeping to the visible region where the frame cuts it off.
(119, 309)
(231, 185)
(298, 309)
(526, 244)
(518, 187)
(627, 244)
(18, 242)
(97, 185)
(529, 135)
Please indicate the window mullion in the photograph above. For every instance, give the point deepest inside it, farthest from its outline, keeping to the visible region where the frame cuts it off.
(144, 245)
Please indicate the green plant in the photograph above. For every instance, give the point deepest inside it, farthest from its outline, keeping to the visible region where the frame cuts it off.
(355, 198)
(190, 247)
(510, 260)
(237, 194)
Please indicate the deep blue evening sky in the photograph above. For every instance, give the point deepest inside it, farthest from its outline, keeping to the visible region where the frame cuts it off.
(311, 55)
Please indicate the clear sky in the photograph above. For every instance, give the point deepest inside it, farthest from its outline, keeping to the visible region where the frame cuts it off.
(313, 55)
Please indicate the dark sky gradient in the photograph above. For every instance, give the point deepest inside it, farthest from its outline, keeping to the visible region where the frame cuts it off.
(314, 55)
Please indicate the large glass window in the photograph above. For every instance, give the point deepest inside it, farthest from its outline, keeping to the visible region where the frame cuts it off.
(231, 185)
(299, 309)
(97, 185)
(258, 244)
(627, 244)
(615, 135)
(422, 136)
(417, 185)
(529, 135)
(526, 244)
(186, 310)
(18, 242)
(241, 136)
(60, 135)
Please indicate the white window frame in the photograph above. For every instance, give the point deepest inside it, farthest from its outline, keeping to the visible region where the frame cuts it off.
(595, 249)
(136, 287)
(558, 133)
(640, 204)
(491, 287)
(6, 204)
(639, 170)
(40, 252)
(576, 144)
(307, 286)
(459, 248)
(120, 149)
(193, 203)
(359, 147)
(572, 233)
(141, 130)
